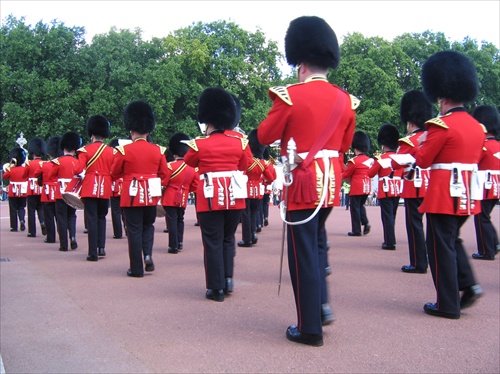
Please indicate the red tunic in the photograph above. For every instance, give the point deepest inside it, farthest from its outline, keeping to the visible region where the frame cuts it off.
(490, 165)
(66, 169)
(389, 180)
(258, 171)
(33, 188)
(181, 181)
(357, 172)
(97, 180)
(453, 138)
(49, 185)
(301, 112)
(140, 164)
(18, 178)
(223, 154)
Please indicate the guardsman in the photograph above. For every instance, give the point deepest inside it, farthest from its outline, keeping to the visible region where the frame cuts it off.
(17, 174)
(389, 182)
(96, 159)
(489, 168)
(221, 159)
(317, 118)
(356, 174)
(452, 148)
(142, 165)
(37, 149)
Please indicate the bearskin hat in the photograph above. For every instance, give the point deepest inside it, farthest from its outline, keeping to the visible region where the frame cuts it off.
(310, 39)
(139, 117)
(388, 135)
(489, 117)
(70, 141)
(217, 107)
(17, 156)
(114, 143)
(361, 141)
(267, 153)
(53, 147)
(98, 126)
(450, 75)
(37, 147)
(237, 102)
(175, 146)
(415, 108)
(256, 147)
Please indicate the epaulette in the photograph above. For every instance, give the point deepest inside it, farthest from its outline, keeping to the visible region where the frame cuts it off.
(406, 140)
(162, 149)
(355, 102)
(41, 163)
(438, 122)
(484, 128)
(169, 166)
(352, 160)
(82, 149)
(378, 158)
(192, 144)
(119, 149)
(27, 162)
(56, 161)
(282, 93)
(244, 143)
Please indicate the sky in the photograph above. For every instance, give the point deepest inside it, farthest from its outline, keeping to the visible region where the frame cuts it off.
(479, 20)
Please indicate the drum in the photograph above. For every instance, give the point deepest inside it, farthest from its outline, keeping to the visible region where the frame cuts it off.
(72, 194)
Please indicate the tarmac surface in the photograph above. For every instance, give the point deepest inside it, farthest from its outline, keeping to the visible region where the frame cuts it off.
(62, 314)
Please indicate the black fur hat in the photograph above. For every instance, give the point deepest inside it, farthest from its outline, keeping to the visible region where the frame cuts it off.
(450, 75)
(311, 40)
(415, 108)
(175, 146)
(53, 147)
(237, 102)
(70, 141)
(98, 126)
(17, 155)
(388, 135)
(489, 117)
(257, 148)
(360, 141)
(37, 147)
(139, 117)
(114, 143)
(216, 106)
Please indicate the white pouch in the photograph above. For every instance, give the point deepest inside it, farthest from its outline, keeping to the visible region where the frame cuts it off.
(154, 187)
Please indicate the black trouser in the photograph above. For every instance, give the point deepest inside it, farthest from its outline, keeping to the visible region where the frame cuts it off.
(486, 235)
(265, 205)
(217, 233)
(17, 209)
(117, 216)
(307, 266)
(140, 228)
(249, 220)
(175, 225)
(35, 206)
(259, 214)
(358, 212)
(49, 213)
(415, 233)
(66, 222)
(388, 209)
(96, 211)
(451, 271)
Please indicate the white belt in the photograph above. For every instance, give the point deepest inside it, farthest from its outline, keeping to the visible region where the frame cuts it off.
(323, 153)
(217, 174)
(409, 168)
(389, 178)
(451, 166)
(64, 180)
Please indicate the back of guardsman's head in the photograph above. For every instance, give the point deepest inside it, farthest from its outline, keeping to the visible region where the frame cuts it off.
(176, 146)
(237, 119)
(388, 135)
(37, 147)
(98, 126)
(139, 117)
(70, 141)
(360, 141)
(256, 147)
(415, 108)
(311, 40)
(54, 146)
(216, 106)
(489, 117)
(17, 156)
(450, 75)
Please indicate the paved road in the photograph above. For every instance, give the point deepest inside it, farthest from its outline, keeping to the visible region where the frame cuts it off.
(62, 314)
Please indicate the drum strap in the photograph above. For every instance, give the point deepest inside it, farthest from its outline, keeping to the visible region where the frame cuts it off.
(96, 155)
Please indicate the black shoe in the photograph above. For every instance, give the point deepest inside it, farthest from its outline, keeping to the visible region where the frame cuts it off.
(165, 230)
(63, 249)
(180, 246)
(470, 295)
(117, 237)
(293, 334)
(328, 270)
(92, 258)
(85, 231)
(173, 250)
(366, 229)
(479, 256)
(229, 286)
(412, 269)
(44, 230)
(244, 244)
(73, 244)
(266, 222)
(101, 252)
(23, 226)
(259, 228)
(350, 233)
(30, 235)
(388, 247)
(150, 266)
(215, 295)
(48, 241)
(130, 274)
(197, 224)
(432, 309)
(326, 315)
(13, 230)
